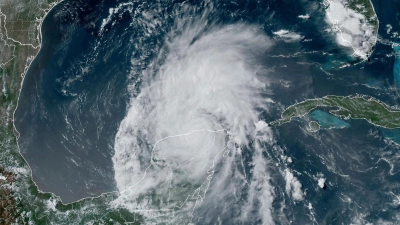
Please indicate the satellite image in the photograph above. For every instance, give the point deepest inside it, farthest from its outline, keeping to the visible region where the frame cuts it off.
(199, 112)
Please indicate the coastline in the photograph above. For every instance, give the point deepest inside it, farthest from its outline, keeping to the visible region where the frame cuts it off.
(29, 60)
(24, 178)
(82, 202)
(344, 35)
(284, 119)
(21, 53)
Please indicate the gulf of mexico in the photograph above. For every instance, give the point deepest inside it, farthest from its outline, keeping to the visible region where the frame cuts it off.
(72, 100)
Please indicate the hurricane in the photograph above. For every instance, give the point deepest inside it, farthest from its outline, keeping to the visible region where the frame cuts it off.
(200, 112)
(179, 146)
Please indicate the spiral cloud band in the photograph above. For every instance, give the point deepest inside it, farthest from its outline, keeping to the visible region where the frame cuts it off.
(197, 108)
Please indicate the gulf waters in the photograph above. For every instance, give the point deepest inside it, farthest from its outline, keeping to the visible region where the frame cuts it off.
(77, 90)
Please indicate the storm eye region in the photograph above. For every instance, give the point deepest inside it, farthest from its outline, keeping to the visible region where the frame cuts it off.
(197, 105)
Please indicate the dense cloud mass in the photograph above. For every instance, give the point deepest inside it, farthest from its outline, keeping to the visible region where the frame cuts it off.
(207, 112)
(193, 113)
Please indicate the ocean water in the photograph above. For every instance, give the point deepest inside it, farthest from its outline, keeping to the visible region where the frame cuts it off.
(396, 67)
(392, 134)
(167, 102)
(327, 120)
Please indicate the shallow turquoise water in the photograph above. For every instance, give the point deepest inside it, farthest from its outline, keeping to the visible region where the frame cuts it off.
(68, 119)
(328, 121)
(396, 66)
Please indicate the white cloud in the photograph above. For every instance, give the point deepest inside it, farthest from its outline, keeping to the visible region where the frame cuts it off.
(288, 36)
(321, 182)
(190, 112)
(260, 191)
(306, 16)
(51, 204)
(351, 28)
(389, 28)
(263, 132)
(293, 186)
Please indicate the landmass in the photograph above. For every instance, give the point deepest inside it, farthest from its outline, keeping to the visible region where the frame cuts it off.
(8, 213)
(19, 42)
(354, 23)
(313, 126)
(355, 107)
(20, 200)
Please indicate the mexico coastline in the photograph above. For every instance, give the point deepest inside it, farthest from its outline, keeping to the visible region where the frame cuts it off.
(51, 39)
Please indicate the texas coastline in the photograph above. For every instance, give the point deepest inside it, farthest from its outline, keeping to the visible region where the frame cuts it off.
(16, 131)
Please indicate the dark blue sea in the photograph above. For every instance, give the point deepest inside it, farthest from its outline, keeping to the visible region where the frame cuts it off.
(80, 87)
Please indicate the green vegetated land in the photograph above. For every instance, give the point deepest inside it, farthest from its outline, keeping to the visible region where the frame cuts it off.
(355, 107)
(366, 8)
(20, 200)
